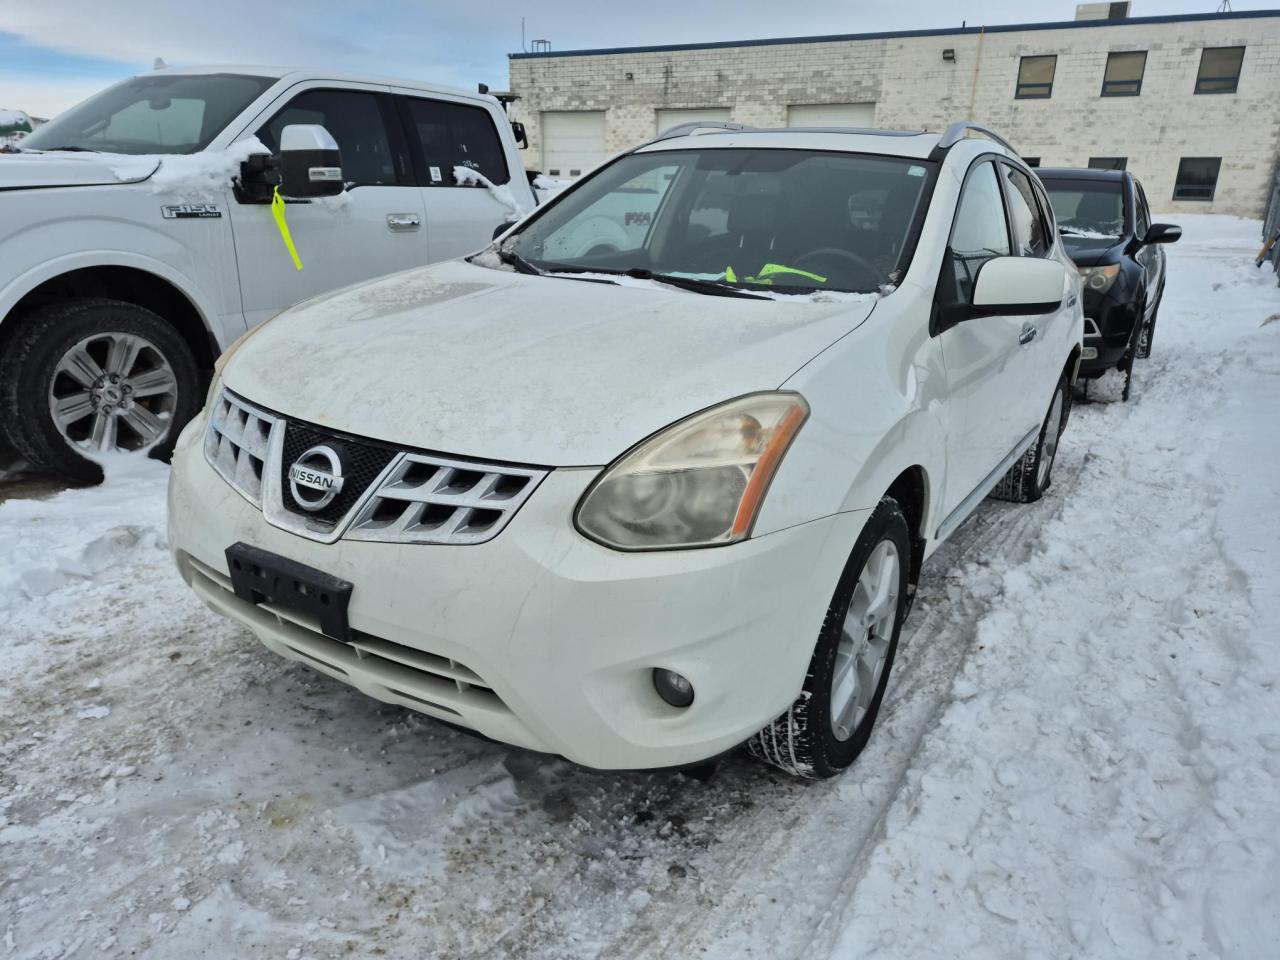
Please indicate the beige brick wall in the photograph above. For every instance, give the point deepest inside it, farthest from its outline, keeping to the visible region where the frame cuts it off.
(914, 88)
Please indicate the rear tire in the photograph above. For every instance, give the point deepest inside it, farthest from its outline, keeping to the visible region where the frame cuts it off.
(120, 378)
(830, 722)
(1029, 478)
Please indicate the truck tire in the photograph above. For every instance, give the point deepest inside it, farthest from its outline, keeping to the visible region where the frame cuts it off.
(830, 722)
(86, 377)
(1029, 478)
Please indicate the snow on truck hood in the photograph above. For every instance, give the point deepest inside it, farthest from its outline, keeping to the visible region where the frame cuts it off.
(461, 359)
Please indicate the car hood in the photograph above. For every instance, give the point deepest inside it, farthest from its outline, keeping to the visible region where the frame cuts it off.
(1092, 251)
(23, 171)
(472, 361)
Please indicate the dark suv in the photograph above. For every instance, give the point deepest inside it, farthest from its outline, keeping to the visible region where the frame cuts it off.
(1106, 229)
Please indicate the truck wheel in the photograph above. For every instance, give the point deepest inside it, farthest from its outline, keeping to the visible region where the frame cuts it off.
(1029, 478)
(86, 378)
(830, 722)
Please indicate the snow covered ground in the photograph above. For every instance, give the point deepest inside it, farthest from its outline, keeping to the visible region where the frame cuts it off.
(1079, 756)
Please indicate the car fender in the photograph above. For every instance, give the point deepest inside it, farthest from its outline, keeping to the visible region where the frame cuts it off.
(871, 418)
(26, 254)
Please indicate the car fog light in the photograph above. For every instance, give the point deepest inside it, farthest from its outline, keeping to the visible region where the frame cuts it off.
(672, 687)
(1088, 353)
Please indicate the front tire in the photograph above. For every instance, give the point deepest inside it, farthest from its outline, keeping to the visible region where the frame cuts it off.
(87, 378)
(1029, 478)
(829, 724)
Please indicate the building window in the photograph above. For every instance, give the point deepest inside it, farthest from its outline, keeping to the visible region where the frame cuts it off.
(1031, 161)
(1219, 69)
(1123, 76)
(1197, 178)
(1035, 78)
(1108, 163)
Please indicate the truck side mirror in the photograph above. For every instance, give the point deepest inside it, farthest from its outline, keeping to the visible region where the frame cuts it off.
(310, 162)
(521, 136)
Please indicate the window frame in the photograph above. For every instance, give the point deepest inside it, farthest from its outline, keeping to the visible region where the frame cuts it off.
(1137, 91)
(936, 325)
(418, 159)
(1051, 226)
(386, 112)
(1141, 209)
(1021, 89)
(1213, 189)
(1202, 79)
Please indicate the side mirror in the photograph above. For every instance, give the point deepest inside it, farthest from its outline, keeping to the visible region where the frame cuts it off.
(310, 162)
(502, 228)
(1008, 286)
(1162, 233)
(518, 131)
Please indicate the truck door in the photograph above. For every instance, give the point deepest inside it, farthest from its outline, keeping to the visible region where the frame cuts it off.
(374, 228)
(444, 135)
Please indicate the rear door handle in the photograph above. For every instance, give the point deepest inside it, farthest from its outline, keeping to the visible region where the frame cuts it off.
(403, 221)
(1028, 334)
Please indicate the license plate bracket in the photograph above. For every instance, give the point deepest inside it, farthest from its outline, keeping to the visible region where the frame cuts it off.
(259, 576)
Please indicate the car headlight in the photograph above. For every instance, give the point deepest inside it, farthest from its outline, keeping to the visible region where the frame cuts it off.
(697, 483)
(1099, 279)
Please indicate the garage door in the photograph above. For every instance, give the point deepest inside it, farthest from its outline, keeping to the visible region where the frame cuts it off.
(832, 115)
(673, 118)
(572, 142)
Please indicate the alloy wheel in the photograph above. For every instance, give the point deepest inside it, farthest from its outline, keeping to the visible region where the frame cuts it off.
(865, 637)
(113, 392)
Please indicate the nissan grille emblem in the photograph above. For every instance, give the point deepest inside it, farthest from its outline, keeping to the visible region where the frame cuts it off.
(315, 478)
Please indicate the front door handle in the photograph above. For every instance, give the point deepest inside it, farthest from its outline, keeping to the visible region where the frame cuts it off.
(1028, 334)
(398, 222)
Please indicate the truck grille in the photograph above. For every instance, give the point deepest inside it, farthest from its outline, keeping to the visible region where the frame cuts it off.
(389, 494)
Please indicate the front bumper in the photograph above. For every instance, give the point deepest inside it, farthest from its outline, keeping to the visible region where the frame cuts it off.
(1108, 331)
(539, 637)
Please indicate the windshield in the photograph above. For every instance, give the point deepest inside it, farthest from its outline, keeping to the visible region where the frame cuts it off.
(176, 113)
(1089, 209)
(787, 220)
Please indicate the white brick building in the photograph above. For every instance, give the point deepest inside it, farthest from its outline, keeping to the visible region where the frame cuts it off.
(1184, 105)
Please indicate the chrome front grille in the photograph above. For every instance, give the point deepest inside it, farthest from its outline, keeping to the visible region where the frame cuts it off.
(238, 442)
(428, 499)
(415, 498)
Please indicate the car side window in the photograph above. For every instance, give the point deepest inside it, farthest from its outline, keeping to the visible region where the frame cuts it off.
(1143, 215)
(354, 119)
(980, 232)
(1030, 231)
(456, 135)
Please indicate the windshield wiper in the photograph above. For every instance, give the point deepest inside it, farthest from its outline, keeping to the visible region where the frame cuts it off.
(513, 259)
(714, 288)
(62, 150)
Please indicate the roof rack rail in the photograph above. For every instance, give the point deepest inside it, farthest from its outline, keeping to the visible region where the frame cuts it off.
(959, 130)
(685, 129)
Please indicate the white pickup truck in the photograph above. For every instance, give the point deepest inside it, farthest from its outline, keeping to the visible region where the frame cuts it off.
(138, 238)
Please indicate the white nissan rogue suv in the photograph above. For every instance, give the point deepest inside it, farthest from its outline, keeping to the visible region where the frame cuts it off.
(638, 503)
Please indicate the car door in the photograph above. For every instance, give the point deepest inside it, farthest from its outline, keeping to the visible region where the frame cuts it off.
(444, 135)
(982, 355)
(374, 228)
(1040, 337)
(1150, 256)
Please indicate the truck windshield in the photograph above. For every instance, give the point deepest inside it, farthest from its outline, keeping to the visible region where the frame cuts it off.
(781, 219)
(175, 113)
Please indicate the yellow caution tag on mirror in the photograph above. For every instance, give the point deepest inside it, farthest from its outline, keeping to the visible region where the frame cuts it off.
(277, 211)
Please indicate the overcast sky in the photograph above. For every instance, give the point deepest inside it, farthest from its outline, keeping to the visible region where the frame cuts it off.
(54, 53)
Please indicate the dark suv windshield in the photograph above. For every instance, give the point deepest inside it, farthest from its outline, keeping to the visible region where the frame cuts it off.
(794, 220)
(174, 113)
(1088, 209)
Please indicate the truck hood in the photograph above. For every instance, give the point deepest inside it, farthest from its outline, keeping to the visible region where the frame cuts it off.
(461, 359)
(24, 171)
